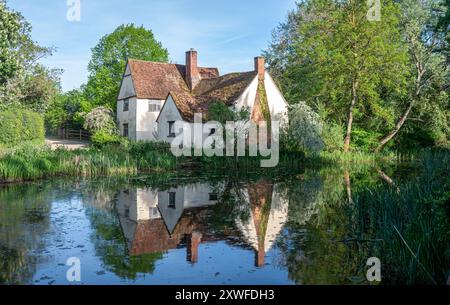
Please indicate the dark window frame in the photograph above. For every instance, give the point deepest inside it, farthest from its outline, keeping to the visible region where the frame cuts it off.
(127, 133)
(126, 105)
(171, 129)
(172, 200)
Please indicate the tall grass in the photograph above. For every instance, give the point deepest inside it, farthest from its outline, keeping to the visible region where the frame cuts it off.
(412, 219)
(31, 162)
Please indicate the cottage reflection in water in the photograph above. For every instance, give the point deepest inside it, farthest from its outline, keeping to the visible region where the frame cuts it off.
(156, 221)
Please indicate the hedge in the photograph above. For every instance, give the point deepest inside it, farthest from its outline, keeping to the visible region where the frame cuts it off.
(21, 125)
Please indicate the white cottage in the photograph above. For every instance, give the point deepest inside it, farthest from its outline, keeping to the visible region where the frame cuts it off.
(154, 95)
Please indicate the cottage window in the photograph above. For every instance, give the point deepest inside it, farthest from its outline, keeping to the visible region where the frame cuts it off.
(171, 129)
(126, 105)
(212, 196)
(125, 130)
(172, 197)
(154, 107)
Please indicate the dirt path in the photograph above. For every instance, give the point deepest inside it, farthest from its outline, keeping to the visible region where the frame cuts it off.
(67, 144)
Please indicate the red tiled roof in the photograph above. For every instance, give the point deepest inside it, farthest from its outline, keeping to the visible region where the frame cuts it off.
(154, 80)
(227, 89)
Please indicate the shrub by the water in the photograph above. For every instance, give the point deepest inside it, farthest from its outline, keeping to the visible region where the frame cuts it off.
(102, 138)
(20, 125)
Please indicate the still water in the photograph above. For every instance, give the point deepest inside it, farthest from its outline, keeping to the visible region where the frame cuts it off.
(282, 229)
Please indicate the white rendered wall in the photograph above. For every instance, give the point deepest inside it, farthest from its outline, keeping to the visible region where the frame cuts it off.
(169, 113)
(247, 99)
(127, 117)
(146, 127)
(127, 88)
(277, 104)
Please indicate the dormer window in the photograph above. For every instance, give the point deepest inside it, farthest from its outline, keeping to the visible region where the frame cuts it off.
(126, 105)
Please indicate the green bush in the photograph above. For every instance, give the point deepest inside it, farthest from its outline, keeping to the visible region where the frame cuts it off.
(102, 138)
(333, 136)
(20, 126)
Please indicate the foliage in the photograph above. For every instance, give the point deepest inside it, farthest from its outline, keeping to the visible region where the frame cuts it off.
(109, 58)
(426, 107)
(30, 161)
(102, 138)
(349, 222)
(9, 40)
(410, 215)
(263, 103)
(219, 112)
(326, 48)
(67, 110)
(23, 81)
(101, 119)
(20, 125)
(332, 135)
(306, 127)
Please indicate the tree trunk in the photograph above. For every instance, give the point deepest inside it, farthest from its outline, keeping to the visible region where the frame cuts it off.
(350, 117)
(418, 87)
(396, 129)
(348, 186)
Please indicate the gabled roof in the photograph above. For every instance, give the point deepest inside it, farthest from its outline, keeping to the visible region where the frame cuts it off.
(227, 89)
(154, 80)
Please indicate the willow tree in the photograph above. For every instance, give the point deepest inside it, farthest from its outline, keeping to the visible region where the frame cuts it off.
(331, 52)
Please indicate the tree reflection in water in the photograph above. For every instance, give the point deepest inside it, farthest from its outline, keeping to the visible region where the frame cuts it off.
(320, 226)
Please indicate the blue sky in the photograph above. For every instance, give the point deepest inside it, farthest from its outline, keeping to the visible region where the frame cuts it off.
(227, 33)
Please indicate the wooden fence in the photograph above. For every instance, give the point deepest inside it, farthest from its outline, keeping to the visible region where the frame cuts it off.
(75, 134)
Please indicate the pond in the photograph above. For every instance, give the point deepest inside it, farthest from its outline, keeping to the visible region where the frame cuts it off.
(305, 226)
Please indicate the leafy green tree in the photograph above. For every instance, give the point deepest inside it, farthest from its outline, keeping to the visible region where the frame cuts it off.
(329, 52)
(427, 96)
(9, 40)
(109, 57)
(101, 119)
(68, 109)
(23, 81)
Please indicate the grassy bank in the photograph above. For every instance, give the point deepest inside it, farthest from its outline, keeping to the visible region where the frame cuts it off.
(35, 161)
(31, 162)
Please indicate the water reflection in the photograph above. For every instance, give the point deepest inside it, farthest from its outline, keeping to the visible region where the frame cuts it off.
(311, 227)
(155, 221)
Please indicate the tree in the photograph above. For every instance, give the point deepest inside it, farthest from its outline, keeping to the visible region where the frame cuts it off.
(101, 119)
(329, 52)
(420, 27)
(68, 109)
(23, 81)
(306, 127)
(109, 58)
(9, 40)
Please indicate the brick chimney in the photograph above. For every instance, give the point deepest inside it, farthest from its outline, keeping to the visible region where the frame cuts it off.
(260, 257)
(193, 242)
(260, 67)
(192, 74)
